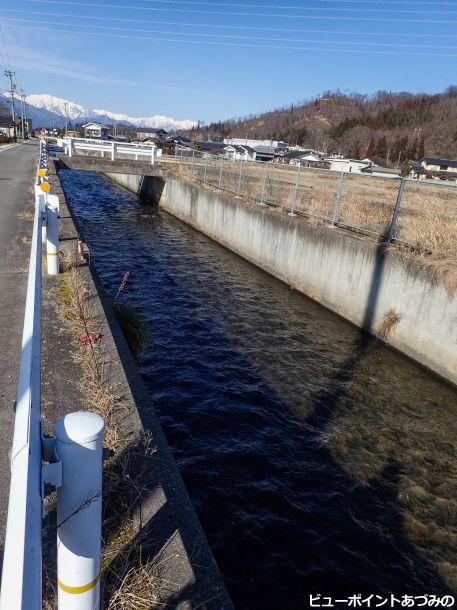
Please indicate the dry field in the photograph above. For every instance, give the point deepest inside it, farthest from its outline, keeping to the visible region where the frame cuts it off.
(426, 228)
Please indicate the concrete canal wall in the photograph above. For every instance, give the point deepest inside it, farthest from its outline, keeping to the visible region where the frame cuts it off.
(361, 281)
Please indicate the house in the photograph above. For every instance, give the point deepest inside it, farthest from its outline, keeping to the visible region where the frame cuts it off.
(254, 143)
(95, 131)
(265, 153)
(378, 171)
(305, 158)
(154, 135)
(340, 164)
(436, 168)
(236, 152)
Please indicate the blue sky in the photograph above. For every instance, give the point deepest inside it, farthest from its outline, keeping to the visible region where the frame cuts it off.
(214, 60)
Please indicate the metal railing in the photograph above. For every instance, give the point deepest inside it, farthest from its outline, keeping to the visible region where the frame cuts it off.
(78, 444)
(113, 150)
(392, 209)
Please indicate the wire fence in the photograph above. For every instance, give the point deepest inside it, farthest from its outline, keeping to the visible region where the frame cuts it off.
(422, 215)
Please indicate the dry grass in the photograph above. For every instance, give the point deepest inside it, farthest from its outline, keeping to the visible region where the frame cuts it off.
(388, 323)
(129, 580)
(426, 229)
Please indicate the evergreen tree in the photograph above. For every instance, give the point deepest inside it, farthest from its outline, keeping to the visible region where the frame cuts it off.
(413, 150)
(371, 150)
(421, 148)
(381, 148)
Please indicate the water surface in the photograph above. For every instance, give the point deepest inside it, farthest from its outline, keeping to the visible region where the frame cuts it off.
(318, 460)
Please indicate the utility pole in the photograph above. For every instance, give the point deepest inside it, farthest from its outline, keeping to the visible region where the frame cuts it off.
(23, 113)
(10, 75)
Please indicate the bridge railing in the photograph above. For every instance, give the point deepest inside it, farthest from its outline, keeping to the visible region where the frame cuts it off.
(113, 150)
(76, 449)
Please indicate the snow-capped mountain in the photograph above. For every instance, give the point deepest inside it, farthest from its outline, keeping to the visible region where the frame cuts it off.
(47, 110)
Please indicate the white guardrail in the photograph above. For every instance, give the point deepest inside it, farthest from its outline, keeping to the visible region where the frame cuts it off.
(74, 457)
(112, 149)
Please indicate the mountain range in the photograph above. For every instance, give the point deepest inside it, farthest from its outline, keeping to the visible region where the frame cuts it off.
(47, 110)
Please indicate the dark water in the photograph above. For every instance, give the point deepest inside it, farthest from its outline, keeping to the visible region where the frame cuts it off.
(318, 460)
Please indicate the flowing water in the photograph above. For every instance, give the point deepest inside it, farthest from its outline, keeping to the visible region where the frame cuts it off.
(318, 460)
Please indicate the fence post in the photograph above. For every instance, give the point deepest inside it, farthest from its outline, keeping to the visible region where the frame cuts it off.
(220, 172)
(79, 440)
(336, 207)
(206, 168)
(112, 150)
(153, 150)
(297, 184)
(393, 222)
(52, 234)
(264, 187)
(193, 160)
(70, 147)
(240, 178)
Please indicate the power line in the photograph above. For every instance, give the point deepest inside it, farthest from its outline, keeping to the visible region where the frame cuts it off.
(7, 63)
(246, 45)
(233, 27)
(236, 4)
(263, 38)
(296, 8)
(237, 14)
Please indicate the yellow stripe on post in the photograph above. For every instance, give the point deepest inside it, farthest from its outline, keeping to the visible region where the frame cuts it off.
(78, 590)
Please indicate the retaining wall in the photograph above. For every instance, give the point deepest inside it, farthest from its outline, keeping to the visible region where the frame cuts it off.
(352, 276)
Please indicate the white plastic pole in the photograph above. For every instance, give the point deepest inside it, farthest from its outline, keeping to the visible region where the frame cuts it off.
(52, 234)
(79, 444)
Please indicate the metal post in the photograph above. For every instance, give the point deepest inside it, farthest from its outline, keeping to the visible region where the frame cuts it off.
(152, 155)
(294, 198)
(40, 201)
(193, 159)
(52, 234)
(206, 168)
(393, 222)
(113, 150)
(240, 177)
(70, 147)
(79, 446)
(220, 173)
(336, 207)
(264, 187)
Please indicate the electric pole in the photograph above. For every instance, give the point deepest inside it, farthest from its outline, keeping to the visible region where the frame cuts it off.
(10, 75)
(22, 113)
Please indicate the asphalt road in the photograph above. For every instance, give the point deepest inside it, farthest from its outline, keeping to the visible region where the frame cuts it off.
(17, 171)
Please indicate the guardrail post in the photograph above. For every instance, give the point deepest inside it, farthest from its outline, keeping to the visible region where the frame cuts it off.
(193, 160)
(70, 147)
(79, 445)
(52, 234)
(336, 207)
(393, 222)
(113, 150)
(297, 184)
(153, 150)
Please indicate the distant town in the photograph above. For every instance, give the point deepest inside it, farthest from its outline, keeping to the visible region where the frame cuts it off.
(236, 149)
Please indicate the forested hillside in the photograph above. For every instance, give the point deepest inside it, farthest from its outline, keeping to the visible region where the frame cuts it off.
(393, 126)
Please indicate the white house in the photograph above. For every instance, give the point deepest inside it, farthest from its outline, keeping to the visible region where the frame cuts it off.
(239, 153)
(95, 131)
(340, 164)
(254, 143)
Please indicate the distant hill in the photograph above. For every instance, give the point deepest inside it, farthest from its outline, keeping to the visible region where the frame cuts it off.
(393, 126)
(47, 110)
